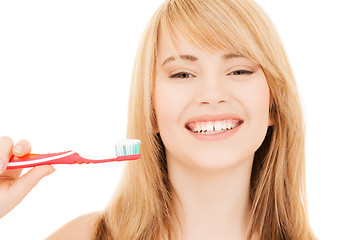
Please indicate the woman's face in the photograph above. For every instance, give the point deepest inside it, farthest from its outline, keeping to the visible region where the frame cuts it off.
(200, 95)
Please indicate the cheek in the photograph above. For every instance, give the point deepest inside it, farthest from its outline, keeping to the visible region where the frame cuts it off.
(167, 105)
(260, 103)
(256, 99)
(254, 96)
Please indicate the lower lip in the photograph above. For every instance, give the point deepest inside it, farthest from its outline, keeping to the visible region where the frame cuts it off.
(218, 136)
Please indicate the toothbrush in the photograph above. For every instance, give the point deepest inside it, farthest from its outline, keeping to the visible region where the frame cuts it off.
(125, 150)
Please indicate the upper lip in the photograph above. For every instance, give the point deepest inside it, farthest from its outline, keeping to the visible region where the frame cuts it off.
(212, 118)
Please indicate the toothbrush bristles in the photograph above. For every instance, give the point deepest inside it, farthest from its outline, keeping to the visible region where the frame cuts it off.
(128, 147)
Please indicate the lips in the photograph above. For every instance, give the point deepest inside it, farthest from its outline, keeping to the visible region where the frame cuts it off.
(214, 127)
(212, 118)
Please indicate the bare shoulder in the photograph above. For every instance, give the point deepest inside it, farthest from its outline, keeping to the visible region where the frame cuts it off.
(81, 228)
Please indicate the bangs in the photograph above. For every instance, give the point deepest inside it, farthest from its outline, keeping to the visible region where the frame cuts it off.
(209, 25)
(239, 27)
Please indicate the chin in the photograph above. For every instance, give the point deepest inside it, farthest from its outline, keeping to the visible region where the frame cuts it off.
(216, 162)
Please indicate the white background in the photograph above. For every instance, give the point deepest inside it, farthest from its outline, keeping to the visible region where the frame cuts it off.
(65, 69)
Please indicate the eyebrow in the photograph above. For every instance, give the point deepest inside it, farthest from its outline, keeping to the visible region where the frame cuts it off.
(186, 57)
(193, 58)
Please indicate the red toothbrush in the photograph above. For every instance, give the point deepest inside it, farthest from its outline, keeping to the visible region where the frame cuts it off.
(126, 150)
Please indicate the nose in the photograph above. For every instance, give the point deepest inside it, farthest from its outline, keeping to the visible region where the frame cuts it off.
(212, 91)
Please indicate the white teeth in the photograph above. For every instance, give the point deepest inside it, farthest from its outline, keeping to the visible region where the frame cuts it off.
(199, 127)
(213, 127)
(218, 126)
(210, 126)
(229, 124)
(224, 125)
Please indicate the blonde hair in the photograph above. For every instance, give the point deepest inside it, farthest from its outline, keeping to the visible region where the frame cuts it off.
(142, 208)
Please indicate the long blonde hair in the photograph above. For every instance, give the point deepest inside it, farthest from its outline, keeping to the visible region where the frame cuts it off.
(142, 208)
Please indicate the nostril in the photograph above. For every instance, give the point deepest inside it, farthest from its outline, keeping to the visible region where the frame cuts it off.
(214, 100)
(213, 93)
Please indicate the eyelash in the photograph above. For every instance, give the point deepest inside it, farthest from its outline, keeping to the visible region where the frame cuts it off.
(235, 73)
(176, 75)
(241, 71)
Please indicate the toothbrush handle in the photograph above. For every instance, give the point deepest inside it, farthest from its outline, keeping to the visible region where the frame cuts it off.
(32, 160)
(68, 157)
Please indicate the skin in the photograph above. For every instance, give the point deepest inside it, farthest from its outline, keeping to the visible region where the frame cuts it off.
(13, 188)
(211, 178)
(212, 188)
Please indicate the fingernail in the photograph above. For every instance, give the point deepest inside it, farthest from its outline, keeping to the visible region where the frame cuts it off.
(18, 149)
(51, 171)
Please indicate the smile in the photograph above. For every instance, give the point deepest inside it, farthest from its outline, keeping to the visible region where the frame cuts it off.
(213, 127)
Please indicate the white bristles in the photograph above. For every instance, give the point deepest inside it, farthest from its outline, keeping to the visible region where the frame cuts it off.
(127, 147)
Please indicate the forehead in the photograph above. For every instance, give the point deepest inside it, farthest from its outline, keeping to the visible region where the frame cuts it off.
(224, 27)
(177, 45)
(172, 44)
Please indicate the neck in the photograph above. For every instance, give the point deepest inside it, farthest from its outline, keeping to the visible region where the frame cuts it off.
(212, 204)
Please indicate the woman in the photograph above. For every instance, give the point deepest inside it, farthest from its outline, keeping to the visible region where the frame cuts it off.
(214, 102)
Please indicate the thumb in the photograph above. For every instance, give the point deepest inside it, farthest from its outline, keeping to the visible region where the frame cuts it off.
(23, 185)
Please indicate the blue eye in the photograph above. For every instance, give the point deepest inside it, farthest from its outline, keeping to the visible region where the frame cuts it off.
(240, 72)
(181, 75)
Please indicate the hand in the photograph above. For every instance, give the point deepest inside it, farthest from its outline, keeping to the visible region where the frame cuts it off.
(13, 187)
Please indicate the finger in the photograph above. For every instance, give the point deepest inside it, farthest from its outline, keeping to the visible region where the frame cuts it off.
(12, 174)
(23, 185)
(6, 145)
(21, 148)
(32, 177)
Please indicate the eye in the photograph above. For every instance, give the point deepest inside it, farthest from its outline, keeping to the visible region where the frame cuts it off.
(182, 75)
(241, 72)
